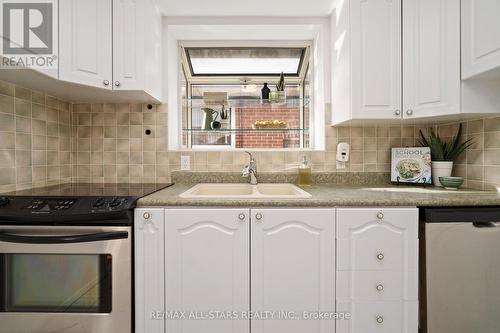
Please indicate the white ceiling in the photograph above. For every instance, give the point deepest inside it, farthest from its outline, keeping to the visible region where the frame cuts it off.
(246, 7)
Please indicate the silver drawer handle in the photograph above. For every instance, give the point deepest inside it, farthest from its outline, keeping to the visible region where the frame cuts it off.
(409, 112)
(258, 216)
(380, 287)
(105, 82)
(242, 216)
(380, 256)
(397, 112)
(380, 215)
(117, 83)
(380, 319)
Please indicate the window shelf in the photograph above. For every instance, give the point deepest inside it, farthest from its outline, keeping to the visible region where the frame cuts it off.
(225, 130)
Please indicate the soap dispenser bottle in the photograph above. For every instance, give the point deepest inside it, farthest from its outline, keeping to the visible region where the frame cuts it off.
(305, 178)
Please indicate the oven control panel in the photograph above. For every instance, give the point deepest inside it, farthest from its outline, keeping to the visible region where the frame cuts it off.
(50, 205)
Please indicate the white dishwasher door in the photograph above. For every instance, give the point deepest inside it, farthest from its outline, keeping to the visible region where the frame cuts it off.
(463, 277)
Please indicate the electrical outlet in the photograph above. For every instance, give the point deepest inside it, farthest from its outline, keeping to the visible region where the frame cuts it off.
(185, 163)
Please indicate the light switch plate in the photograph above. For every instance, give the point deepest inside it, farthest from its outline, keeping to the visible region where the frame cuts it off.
(185, 163)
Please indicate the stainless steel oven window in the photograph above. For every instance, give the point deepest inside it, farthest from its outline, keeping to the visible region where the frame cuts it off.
(56, 283)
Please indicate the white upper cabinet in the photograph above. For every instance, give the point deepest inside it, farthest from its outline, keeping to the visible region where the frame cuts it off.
(431, 58)
(111, 44)
(395, 59)
(136, 46)
(376, 58)
(480, 38)
(293, 267)
(85, 42)
(207, 267)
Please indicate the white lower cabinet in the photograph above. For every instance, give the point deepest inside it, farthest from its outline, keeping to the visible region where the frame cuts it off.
(149, 267)
(272, 270)
(293, 268)
(377, 270)
(207, 268)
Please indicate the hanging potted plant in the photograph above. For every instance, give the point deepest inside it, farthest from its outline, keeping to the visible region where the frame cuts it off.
(443, 152)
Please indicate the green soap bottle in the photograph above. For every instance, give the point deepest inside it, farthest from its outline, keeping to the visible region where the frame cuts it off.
(305, 178)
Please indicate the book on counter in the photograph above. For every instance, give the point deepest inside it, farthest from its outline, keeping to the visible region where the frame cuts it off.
(411, 165)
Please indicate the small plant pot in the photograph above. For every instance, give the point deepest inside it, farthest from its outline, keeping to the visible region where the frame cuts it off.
(441, 169)
(277, 97)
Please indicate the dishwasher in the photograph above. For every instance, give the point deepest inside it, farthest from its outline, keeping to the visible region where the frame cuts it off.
(460, 270)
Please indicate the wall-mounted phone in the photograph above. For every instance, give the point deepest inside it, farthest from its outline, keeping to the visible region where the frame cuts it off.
(343, 150)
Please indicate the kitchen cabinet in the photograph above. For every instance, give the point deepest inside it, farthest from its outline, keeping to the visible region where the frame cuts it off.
(287, 263)
(149, 255)
(207, 267)
(111, 44)
(395, 59)
(293, 267)
(377, 269)
(86, 42)
(480, 39)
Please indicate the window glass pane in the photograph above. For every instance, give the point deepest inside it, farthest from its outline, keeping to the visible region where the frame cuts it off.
(56, 283)
(245, 61)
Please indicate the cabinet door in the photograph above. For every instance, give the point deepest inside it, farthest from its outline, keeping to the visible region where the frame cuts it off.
(480, 37)
(377, 239)
(431, 66)
(128, 41)
(85, 42)
(207, 269)
(376, 59)
(149, 242)
(293, 269)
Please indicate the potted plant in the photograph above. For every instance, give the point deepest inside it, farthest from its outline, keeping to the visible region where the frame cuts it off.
(279, 96)
(443, 152)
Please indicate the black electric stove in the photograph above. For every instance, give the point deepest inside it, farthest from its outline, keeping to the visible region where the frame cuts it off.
(74, 204)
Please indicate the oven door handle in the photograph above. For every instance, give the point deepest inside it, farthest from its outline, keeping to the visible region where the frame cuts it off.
(85, 238)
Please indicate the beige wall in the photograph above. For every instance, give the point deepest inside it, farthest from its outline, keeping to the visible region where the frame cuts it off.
(35, 138)
(44, 140)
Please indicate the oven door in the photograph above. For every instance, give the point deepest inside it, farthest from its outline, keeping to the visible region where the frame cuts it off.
(65, 279)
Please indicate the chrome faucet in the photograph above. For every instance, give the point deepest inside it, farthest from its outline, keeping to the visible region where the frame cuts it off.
(250, 170)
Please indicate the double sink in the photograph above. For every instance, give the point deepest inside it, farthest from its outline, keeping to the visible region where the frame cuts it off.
(245, 191)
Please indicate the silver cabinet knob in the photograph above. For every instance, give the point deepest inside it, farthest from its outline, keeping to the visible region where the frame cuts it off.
(241, 216)
(380, 256)
(397, 112)
(146, 216)
(380, 319)
(380, 215)
(105, 82)
(258, 216)
(117, 83)
(409, 112)
(380, 287)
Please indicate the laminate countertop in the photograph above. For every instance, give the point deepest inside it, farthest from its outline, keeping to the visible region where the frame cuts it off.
(335, 195)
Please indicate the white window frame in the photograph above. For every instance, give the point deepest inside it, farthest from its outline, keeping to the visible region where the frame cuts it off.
(256, 35)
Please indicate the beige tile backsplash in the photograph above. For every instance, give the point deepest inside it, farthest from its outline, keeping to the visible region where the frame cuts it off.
(44, 140)
(480, 164)
(35, 138)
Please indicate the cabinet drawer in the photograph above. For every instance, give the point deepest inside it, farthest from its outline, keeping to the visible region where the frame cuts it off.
(377, 285)
(381, 221)
(378, 317)
(377, 254)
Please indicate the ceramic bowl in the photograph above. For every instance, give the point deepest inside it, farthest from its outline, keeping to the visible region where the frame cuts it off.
(451, 183)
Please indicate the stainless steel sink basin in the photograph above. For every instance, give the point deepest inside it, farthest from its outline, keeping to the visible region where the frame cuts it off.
(245, 191)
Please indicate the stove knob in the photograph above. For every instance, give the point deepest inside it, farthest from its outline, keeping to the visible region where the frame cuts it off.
(98, 203)
(115, 202)
(4, 201)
